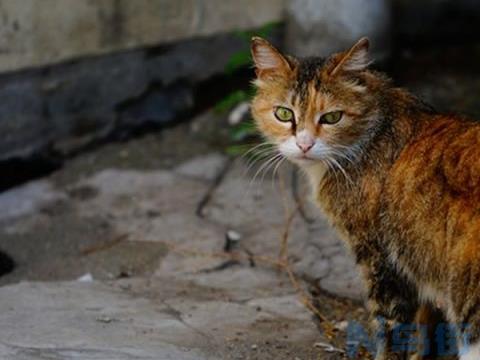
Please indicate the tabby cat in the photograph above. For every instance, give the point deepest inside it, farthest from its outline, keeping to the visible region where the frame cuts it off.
(399, 182)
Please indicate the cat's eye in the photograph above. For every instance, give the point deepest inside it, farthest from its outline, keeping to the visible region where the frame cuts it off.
(331, 117)
(283, 114)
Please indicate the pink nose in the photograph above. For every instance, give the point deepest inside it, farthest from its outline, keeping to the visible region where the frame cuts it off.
(305, 146)
(305, 140)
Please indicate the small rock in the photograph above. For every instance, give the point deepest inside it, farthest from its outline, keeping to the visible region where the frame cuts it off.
(254, 347)
(86, 278)
(231, 240)
(233, 235)
(104, 319)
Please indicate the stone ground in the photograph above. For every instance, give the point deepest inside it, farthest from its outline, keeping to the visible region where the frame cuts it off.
(164, 248)
(151, 249)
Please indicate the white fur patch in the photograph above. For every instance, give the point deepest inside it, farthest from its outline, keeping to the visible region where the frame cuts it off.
(258, 82)
(315, 173)
(428, 293)
(470, 352)
(289, 148)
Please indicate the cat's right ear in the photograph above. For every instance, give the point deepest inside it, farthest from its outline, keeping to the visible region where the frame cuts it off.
(267, 59)
(355, 59)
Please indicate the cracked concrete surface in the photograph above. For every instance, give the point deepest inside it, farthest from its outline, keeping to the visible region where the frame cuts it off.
(163, 286)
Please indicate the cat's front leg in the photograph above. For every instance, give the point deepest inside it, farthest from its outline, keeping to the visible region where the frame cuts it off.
(392, 303)
(464, 305)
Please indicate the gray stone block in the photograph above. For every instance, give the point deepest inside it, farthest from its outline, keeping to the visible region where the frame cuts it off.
(93, 83)
(67, 107)
(195, 60)
(23, 125)
(158, 107)
(322, 27)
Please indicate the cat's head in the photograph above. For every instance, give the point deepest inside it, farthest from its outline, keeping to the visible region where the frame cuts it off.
(315, 110)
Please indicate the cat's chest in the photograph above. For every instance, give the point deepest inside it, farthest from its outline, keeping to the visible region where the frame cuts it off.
(355, 209)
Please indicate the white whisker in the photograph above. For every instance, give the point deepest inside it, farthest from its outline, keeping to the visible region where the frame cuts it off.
(258, 146)
(276, 166)
(272, 164)
(263, 167)
(331, 168)
(258, 157)
(342, 170)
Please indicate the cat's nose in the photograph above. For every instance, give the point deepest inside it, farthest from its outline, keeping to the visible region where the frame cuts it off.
(305, 141)
(305, 147)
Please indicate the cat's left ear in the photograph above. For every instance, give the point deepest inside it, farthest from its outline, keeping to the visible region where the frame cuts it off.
(267, 59)
(355, 59)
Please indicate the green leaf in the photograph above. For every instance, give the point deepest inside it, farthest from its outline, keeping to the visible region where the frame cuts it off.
(237, 61)
(237, 149)
(243, 58)
(267, 29)
(231, 100)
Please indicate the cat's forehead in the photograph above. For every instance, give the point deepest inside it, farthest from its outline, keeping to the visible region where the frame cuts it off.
(307, 74)
(308, 68)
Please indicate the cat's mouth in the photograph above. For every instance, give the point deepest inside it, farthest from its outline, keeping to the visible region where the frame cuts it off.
(303, 159)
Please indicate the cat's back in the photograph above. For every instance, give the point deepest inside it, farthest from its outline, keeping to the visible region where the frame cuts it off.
(435, 182)
(445, 150)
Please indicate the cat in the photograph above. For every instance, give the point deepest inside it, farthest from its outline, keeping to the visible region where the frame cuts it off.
(398, 181)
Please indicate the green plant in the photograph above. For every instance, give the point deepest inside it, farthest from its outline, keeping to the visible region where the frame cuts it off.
(245, 130)
(243, 58)
(231, 100)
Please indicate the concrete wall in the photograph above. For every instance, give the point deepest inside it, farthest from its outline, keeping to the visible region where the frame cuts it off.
(40, 32)
(59, 97)
(322, 27)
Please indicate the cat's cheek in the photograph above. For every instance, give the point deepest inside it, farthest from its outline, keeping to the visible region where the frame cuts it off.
(320, 150)
(289, 148)
(273, 129)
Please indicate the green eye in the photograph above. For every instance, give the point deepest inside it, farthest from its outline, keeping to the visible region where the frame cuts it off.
(331, 117)
(284, 114)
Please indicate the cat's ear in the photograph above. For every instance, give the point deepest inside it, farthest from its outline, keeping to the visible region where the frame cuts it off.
(355, 59)
(267, 59)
